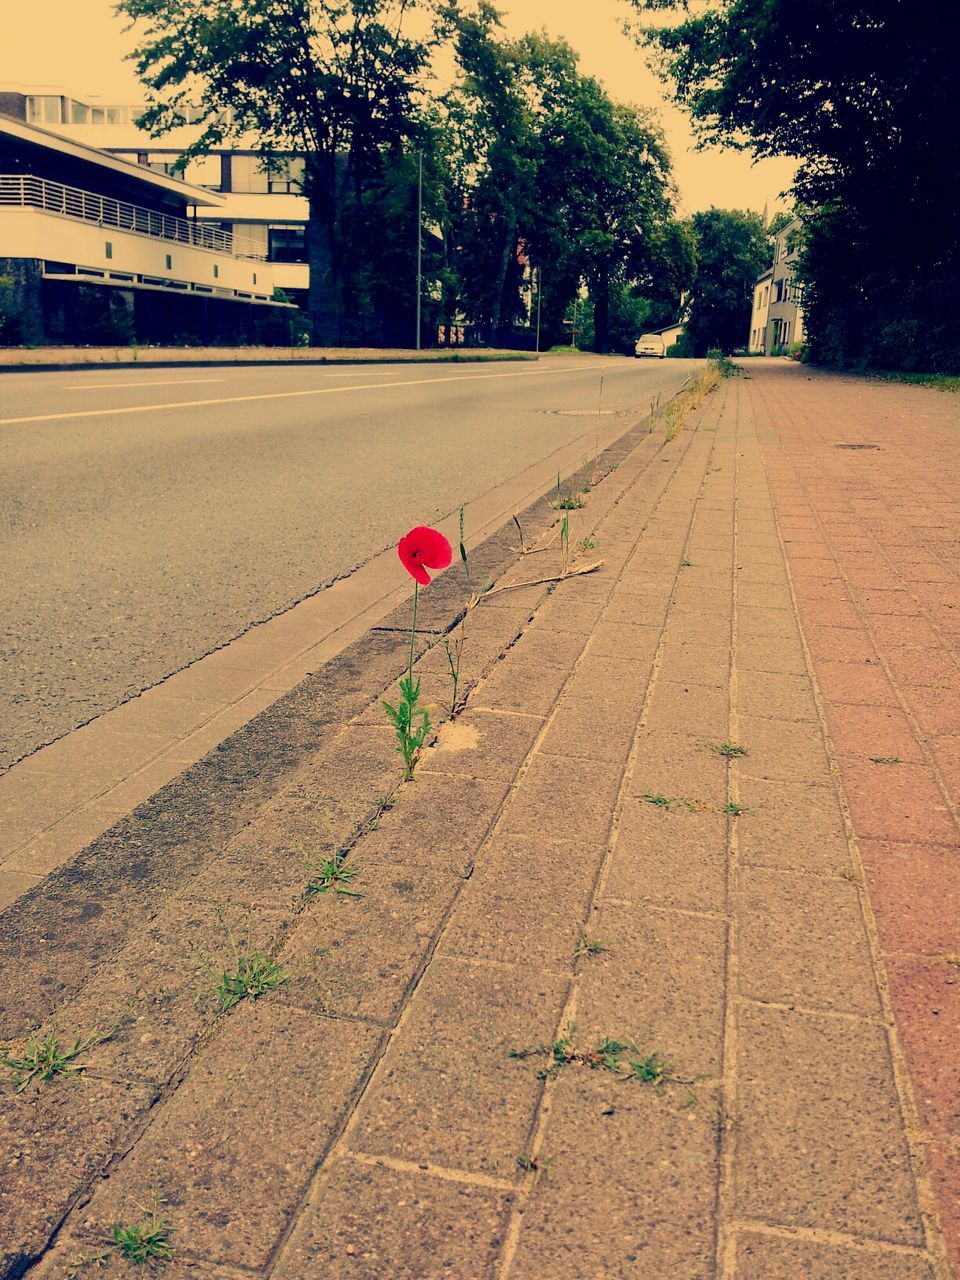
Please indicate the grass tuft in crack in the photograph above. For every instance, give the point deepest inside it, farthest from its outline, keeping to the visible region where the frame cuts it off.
(729, 750)
(655, 798)
(587, 946)
(44, 1059)
(255, 974)
(332, 875)
(608, 1055)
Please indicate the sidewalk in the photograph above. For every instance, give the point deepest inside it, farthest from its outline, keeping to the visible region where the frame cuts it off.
(699, 815)
(39, 359)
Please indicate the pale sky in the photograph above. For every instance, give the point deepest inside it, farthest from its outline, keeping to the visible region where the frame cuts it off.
(80, 45)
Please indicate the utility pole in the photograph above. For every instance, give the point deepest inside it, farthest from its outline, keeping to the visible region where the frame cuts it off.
(539, 292)
(419, 241)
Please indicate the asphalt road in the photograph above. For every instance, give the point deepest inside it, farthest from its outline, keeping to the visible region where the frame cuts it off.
(149, 516)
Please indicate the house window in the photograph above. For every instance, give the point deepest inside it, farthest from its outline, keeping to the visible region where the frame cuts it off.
(216, 272)
(169, 261)
(109, 249)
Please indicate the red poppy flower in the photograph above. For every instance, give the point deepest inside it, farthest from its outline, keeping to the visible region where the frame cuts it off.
(421, 549)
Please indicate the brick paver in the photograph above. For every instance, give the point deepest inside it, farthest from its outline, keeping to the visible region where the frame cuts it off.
(660, 821)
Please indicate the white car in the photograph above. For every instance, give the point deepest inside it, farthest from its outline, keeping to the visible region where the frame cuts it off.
(650, 344)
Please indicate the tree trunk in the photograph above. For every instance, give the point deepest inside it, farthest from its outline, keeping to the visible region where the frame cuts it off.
(601, 311)
(509, 246)
(324, 303)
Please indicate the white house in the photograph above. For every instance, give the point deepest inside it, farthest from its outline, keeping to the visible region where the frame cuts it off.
(776, 321)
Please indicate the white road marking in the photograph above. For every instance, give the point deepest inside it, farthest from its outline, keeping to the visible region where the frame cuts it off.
(112, 386)
(284, 395)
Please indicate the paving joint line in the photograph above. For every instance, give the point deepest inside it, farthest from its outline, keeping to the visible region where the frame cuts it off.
(568, 1013)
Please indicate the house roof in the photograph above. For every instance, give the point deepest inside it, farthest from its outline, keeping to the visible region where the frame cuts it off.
(32, 133)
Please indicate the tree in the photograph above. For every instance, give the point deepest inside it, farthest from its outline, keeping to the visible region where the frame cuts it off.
(866, 94)
(732, 250)
(339, 81)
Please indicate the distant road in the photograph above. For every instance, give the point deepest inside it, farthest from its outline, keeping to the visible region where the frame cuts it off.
(150, 516)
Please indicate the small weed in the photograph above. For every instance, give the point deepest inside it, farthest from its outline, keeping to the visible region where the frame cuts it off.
(146, 1241)
(586, 544)
(885, 760)
(538, 1165)
(386, 803)
(729, 750)
(954, 960)
(585, 477)
(733, 810)
(654, 797)
(608, 1055)
(44, 1059)
(685, 563)
(255, 974)
(569, 502)
(587, 946)
(852, 876)
(333, 875)
(650, 1070)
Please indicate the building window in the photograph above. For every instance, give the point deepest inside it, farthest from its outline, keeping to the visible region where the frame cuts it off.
(286, 176)
(287, 244)
(254, 277)
(45, 109)
(169, 261)
(216, 272)
(247, 175)
(109, 249)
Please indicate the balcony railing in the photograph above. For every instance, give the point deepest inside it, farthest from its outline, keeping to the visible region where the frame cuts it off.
(30, 192)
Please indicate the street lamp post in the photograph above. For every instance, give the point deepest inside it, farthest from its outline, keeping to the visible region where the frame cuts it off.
(419, 241)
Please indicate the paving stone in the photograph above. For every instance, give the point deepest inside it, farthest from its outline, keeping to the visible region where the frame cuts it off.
(610, 680)
(438, 820)
(626, 641)
(562, 799)
(770, 653)
(54, 1140)
(542, 646)
(926, 1001)
(867, 732)
(279, 1083)
(689, 709)
(767, 1257)
(944, 1160)
(524, 687)
(447, 1091)
(633, 1186)
(896, 802)
(936, 710)
(482, 744)
(839, 644)
(672, 857)
(774, 695)
(858, 684)
(915, 893)
(784, 750)
(660, 982)
(591, 730)
(819, 1137)
(158, 993)
(679, 767)
(525, 903)
(693, 662)
(368, 1222)
(801, 941)
(356, 957)
(795, 826)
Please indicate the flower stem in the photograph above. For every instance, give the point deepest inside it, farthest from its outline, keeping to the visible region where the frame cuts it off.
(413, 630)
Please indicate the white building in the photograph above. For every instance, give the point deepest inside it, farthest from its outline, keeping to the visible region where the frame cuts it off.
(776, 321)
(266, 210)
(96, 248)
